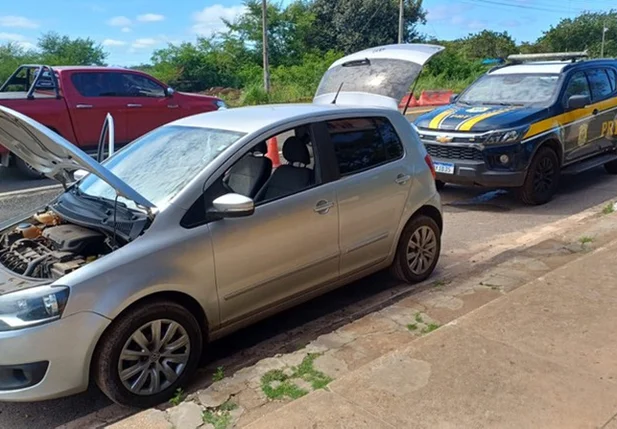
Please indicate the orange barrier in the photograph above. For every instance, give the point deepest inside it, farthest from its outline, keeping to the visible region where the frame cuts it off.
(434, 98)
(412, 103)
(273, 152)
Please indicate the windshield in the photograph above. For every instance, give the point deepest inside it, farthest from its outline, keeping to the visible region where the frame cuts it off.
(511, 89)
(387, 77)
(161, 163)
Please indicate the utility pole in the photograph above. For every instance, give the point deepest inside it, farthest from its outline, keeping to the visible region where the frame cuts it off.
(401, 12)
(264, 22)
(604, 30)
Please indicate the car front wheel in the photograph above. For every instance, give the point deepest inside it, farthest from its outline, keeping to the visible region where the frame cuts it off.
(147, 354)
(418, 250)
(542, 178)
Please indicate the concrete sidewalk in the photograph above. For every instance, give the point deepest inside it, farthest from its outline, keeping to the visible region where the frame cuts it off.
(541, 356)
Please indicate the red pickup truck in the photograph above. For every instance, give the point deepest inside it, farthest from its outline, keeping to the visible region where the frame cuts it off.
(74, 101)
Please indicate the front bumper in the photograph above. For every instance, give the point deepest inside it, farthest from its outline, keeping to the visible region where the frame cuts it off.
(477, 173)
(66, 345)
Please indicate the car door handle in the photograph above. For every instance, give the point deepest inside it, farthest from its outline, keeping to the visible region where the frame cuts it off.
(84, 106)
(172, 106)
(595, 112)
(402, 179)
(133, 105)
(323, 207)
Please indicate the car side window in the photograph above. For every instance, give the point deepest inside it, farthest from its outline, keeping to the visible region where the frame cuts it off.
(612, 77)
(134, 85)
(577, 85)
(363, 143)
(97, 84)
(600, 84)
(278, 167)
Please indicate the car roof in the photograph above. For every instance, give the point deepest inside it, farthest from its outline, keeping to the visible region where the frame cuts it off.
(88, 68)
(254, 118)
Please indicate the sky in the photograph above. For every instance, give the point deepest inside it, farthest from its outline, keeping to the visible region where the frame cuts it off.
(130, 30)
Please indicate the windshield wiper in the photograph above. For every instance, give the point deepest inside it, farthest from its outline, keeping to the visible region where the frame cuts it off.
(500, 103)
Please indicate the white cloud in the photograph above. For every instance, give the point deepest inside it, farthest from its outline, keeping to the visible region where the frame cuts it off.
(119, 21)
(126, 29)
(150, 17)
(209, 20)
(12, 37)
(144, 43)
(113, 42)
(17, 22)
(477, 24)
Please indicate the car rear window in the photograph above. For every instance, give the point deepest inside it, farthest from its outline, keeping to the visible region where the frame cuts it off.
(363, 143)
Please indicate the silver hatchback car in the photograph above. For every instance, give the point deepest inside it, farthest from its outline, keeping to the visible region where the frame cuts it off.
(207, 224)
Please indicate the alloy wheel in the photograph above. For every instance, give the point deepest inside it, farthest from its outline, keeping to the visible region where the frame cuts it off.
(421, 250)
(544, 176)
(154, 357)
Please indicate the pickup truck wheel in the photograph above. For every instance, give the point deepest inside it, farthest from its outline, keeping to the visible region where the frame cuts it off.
(147, 354)
(542, 178)
(611, 167)
(27, 170)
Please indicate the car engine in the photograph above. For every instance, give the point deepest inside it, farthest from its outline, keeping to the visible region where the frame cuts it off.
(48, 247)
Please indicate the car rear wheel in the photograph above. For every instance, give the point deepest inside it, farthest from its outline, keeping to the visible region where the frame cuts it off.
(542, 178)
(418, 250)
(26, 169)
(147, 354)
(611, 167)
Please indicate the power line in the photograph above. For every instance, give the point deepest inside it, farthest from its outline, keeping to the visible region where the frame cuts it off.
(519, 6)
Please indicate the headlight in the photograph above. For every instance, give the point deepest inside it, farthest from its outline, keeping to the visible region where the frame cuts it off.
(507, 136)
(220, 104)
(33, 306)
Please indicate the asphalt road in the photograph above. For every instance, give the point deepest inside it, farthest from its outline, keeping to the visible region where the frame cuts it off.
(473, 217)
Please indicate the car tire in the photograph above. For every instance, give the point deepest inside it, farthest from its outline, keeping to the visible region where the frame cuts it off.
(611, 167)
(542, 179)
(26, 170)
(440, 185)
(410, 265)
(118, 348)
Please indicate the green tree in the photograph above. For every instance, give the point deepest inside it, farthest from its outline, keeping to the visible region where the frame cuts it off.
(488, 44)
(352, 25)
(62, 50)
(583, 32)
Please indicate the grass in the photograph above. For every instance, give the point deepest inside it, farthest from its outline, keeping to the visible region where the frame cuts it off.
(220, 418)
(430, 328)
(419, 318)
(219, 374)
(277, 385)
(585, 240)
(177, 398)
(610, 208)
(412, 326)
(441, 283)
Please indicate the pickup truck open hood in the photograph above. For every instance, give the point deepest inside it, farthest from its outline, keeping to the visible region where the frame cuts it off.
(54, 156)
(378, 76)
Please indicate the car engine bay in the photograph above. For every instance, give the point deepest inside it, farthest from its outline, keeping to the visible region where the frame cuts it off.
(45, 246)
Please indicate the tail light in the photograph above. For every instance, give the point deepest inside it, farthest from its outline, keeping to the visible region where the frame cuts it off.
(431, 166)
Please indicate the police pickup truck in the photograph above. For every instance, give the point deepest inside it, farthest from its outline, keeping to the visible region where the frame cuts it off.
(524, 123)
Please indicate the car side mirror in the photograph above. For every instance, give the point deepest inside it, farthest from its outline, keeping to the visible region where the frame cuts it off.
(79, 174)
(232, 205)
(578, 101)
(453, 98)
(169, 92)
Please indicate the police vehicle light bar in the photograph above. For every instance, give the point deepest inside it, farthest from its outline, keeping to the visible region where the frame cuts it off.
(553, 56)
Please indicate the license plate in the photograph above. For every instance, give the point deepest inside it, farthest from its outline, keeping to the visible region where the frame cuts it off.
(444, 167)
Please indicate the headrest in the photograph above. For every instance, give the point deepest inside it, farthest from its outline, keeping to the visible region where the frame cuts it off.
(261, 148)
(294, 150)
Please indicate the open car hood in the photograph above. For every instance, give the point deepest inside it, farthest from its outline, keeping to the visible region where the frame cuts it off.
(54, 156)
(378, 76)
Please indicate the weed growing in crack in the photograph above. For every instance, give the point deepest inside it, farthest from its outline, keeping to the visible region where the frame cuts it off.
(177, 398)
(412, 326)
(219, 374)
(430, 328)
(585, 240)
(276, 384)
(419, 318)
(220, 417)
(441, 283)
(610, 208)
